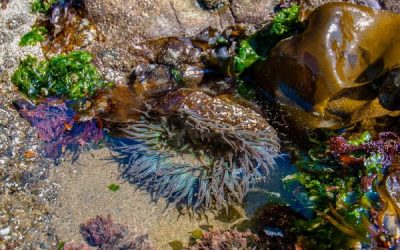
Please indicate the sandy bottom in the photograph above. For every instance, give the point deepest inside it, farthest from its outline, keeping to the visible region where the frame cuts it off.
(84, 194)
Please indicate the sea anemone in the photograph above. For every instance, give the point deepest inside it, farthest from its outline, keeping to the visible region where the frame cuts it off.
(199, 150)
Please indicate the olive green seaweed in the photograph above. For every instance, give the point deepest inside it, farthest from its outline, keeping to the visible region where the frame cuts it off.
(42, 6)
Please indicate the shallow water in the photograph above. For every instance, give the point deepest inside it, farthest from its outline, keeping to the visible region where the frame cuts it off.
(198, 132)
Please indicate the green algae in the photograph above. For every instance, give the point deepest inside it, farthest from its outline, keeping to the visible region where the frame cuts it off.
(256, 47)
(60, 245)
(334, 196)
(176, 245)
(245, 57)
(284, 24)
(36, 35)
(113, 187)
(42, 6)
(177, 76)
(365, 137)
(67, 75)
(285, 21)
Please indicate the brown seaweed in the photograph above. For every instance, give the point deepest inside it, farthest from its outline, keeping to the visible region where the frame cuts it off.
(329, 72)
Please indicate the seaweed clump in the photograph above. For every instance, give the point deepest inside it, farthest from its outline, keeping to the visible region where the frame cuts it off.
(42, 6)
(68, 75)
(285, 23)
(217, 239)
(322, 75)
(347, 189)
(36, 35)
(103, 233)
(57, 125)
(198, 150)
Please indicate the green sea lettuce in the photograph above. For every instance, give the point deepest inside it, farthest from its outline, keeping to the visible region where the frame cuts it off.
(257, 46)
(42, 6)
(67, 75)
(36, 35)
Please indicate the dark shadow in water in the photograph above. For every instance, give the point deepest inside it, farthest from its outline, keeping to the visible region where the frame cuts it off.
(273, 190)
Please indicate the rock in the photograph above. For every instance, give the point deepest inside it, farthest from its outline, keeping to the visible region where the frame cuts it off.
(328, 70)
(252, 11)
(392, 5)
(127, 24)
(5, 231)
(212, 4)
(389, 93)
(136, 20)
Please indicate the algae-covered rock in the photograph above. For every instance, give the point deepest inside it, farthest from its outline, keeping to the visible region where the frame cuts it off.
(331, 70)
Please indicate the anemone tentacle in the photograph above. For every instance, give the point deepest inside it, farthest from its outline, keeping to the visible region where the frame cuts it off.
(197, 177)
(191, 156)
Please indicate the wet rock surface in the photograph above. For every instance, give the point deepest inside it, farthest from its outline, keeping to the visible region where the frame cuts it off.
(127, 24)
(24, 188)
(136, 20)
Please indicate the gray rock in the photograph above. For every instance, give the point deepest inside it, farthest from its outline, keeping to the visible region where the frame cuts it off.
(392, 5)
(138, 20)
(128, 23)
(252, 11)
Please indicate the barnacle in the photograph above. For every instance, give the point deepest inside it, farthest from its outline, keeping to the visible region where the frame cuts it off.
(198, 150)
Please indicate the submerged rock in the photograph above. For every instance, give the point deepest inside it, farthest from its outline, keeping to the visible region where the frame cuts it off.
(138, 20)
(329, 73)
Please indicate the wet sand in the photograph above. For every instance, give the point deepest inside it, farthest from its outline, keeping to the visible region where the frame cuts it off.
(83, 194)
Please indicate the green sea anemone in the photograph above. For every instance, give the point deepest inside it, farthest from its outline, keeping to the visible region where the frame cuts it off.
(190, 157)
